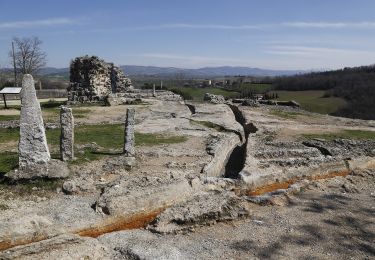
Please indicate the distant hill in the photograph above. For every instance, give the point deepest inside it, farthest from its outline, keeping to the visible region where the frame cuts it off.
(133, 70)
(356, 85)
(205, 72)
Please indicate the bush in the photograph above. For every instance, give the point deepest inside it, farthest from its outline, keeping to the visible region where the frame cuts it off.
(183, 94)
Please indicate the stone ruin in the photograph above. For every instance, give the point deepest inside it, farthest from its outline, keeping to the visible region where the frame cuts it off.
(34, 156)
(92, 79)
(67, 134)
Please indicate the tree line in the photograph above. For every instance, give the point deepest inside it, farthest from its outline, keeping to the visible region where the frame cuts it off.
(355, 85)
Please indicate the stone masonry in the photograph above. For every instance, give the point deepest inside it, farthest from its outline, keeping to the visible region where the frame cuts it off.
(67, 134)
(93, 79)
(129, 133)
(33, 149)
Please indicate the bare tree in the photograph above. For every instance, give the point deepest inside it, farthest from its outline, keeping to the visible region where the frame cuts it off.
(28, 55)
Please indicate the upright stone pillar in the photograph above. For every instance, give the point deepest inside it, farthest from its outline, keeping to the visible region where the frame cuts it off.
(67, 134)
(153, 91)
(32, 148)
(129, 133)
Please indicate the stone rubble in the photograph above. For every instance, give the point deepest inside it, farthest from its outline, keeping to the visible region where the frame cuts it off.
(216, 99)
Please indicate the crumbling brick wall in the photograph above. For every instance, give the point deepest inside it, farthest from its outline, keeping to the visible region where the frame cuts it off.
(93, 79)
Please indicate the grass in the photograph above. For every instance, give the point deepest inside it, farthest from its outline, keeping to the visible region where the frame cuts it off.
(26, 188)
(198, 93)
(313, 101)
(9, 135)
(286, 114)
(107, 136)
(8, 161)
(344, 134)
(81, 112)
(209, 125)
(52, 104)
(9, 117)
(86, 155)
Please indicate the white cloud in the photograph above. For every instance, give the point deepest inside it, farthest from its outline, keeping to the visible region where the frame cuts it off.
(330, 25)
(297, 24)
(308, 51)
(37, 23)
(212, 26)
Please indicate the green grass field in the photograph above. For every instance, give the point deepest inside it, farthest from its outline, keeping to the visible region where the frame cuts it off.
(286, 114)
(345, 134)
(107, 136)
(312, 100)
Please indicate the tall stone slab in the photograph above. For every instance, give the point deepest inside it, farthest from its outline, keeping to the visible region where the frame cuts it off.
(67, 134)
(129, 133)
(32, 148)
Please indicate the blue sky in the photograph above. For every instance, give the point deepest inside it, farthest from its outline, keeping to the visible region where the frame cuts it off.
(275, 34)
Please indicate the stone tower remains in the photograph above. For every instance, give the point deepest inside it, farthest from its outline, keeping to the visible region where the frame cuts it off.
(92, 79)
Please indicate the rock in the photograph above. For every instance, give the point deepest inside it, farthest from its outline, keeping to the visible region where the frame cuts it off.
(143, 194)
(216, 99)
(52, 169)
(33, 149)
(69, 187)
(250, 103)
(129, 141)
(220, 115)
(60, 247)
(67, 134)
(219, 184)
(140, 244)
(220, 146)
(202, 209)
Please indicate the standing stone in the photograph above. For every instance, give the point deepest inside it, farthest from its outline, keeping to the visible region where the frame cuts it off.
(129, 133)
(33, 149)
(67, 134)
(153, 91)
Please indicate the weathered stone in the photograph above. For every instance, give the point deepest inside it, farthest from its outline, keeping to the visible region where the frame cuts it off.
(67, 134)
(250, 103)
(201, 209)
(93, 79)
(216, 99)
(143, 194)
(60, 247)
(52, 169)
(129, 133)
(33, 149)
(220, 146)
(140, 244)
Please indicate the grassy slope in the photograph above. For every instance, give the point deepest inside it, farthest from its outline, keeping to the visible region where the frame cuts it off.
(311, 100)
(345, 134)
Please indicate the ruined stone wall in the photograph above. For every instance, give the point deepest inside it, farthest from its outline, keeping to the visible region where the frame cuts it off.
(93, 79)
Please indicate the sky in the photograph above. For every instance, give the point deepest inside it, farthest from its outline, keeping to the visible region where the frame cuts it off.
(270, 34)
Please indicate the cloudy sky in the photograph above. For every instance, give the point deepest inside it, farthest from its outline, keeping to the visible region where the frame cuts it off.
(275, 34)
